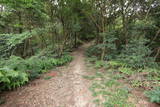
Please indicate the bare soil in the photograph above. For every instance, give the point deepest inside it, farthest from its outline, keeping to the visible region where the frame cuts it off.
(66, 88)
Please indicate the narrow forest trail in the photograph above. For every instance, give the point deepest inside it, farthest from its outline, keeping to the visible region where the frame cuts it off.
(67, 88)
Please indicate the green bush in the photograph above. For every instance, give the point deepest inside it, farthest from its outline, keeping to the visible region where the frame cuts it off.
(36, 65)
(125, 70)
(10, 79)
(15, 63)
(110, 46)
(153, 72)
(93, 51)
(99, 64)
(136, 54)
(154, 95)
(115, 64)
(16, 71)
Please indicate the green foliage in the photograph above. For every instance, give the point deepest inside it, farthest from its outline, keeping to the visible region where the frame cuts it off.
(10, 79)
(137, 83)
(36, 65)
(15, 63)
(127, 71)
(11, 41)
(15, 39)
(110, 44)
(118, 99)
(115, 64)
(99, 64)
(16, 71)
(108, 92)
(111, 83)
(92, 59)
(149, 26)
(126, 41)
(154, 95)
(48, 78)
(154, 73)
(93, 51)
(89, 77)
(136, 55)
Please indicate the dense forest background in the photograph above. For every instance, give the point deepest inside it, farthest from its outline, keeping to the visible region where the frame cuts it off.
(28, 26)
(36, 35)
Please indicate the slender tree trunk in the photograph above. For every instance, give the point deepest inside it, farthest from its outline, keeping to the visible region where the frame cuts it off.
(20, 22)
(75, 40)
(103, 31)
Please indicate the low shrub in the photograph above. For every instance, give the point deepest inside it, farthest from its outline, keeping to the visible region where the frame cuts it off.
(16, 71)
(99, 64)
(115, 64)
(37, 65)
(154, 95)
(136, 54)
(125, 70)
(153, 74)
(14, 62)
(93, 51)
(10, 79)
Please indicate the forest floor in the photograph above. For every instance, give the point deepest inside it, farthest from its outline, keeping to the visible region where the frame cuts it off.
(75, 85)
(62, 87)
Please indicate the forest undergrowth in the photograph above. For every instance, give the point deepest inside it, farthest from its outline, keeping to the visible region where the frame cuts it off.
(38, 35)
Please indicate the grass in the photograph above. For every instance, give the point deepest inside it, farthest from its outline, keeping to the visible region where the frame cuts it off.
(109, 83)
(89, 77)
(107, 91)
(48, 78)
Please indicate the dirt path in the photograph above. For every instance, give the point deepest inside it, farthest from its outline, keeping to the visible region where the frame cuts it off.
(66, 89)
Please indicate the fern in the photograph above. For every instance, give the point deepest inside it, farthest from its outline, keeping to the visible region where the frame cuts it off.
(154, 95)
(12, 79)
(127, 71)
(16, 71)
(99, 64)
